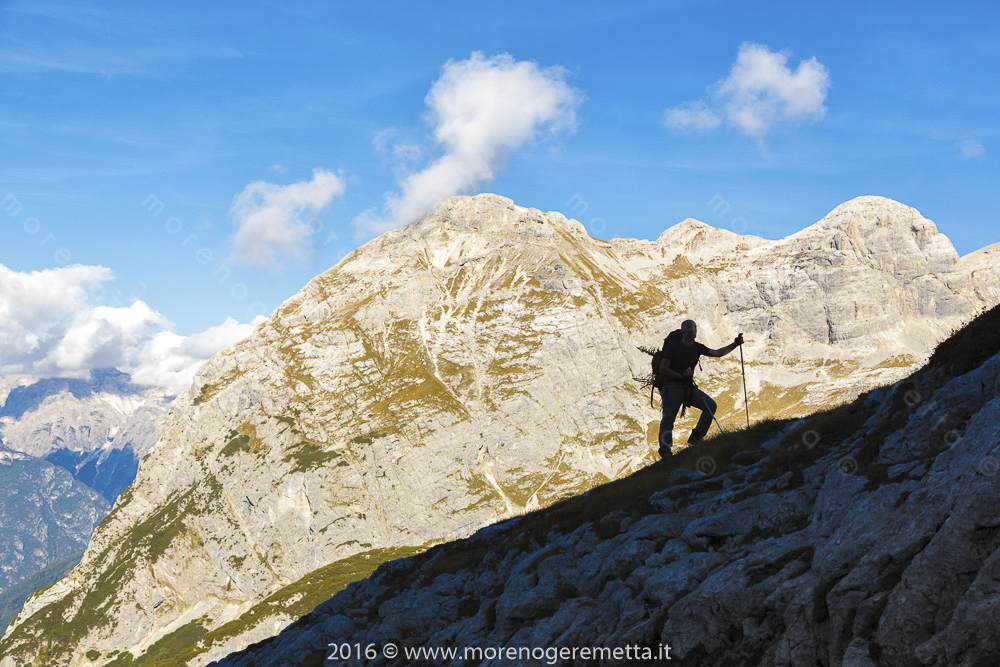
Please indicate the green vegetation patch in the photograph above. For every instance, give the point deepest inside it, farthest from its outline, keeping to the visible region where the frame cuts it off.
(240, 443)
(308, 455)
(12, 599)
(295, 600)
(243, 440)
(164, 652)
(203, 395)
(157, 532)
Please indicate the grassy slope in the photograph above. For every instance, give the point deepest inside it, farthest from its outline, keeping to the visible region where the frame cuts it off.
(12, 599)
(188, 642)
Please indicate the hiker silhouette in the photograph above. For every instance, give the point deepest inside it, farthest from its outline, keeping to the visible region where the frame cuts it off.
(680, 354)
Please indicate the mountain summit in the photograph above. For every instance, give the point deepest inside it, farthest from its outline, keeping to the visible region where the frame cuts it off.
(472, 366)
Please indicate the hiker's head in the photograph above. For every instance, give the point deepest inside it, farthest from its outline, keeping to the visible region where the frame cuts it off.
(689, 329)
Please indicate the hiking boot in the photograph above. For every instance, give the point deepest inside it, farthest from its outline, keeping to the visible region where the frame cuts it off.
(695, 438)
(665, 453)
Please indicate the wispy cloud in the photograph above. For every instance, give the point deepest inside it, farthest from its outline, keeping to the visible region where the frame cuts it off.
(50, 326)
(481, 110)
(760, 92)
(970, 148)
(276, 222)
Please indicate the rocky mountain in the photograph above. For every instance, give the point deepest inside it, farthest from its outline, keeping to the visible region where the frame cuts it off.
(45, 515)
(97, 428)
(864, 535)
(472, 366)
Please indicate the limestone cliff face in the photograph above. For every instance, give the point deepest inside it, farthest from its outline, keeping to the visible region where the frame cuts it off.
(471, 366)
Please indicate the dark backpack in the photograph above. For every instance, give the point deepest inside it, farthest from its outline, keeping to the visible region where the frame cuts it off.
(658, 378)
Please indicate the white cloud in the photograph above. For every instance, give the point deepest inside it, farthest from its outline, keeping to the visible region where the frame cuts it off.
(481, 110)
(277, 221)
(170, 361)
(970, 148)
(279, 168)
(49, 327)
(760, 92)
(100, 337)
(31, 303)
(693, 116)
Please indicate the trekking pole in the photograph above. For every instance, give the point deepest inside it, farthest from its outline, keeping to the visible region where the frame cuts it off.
(743, 370)
(705, 403)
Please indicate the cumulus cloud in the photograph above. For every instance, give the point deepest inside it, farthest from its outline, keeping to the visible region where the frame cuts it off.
(970, 148)
(31, 303)
(760, 92)
(276, 222)
(50, 327)
(481, 109)
(99, 337)
(170, 361)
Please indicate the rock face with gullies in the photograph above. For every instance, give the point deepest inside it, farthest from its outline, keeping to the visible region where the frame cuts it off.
(474, 365)
(45, 515)
(868, 535)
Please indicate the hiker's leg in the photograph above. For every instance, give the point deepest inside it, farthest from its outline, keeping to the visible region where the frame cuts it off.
(703, 402)
(671, 396)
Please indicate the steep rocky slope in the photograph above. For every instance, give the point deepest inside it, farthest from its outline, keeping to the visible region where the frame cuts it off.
(45, 515)
(13, 598)
(868, 534)
(472, 366)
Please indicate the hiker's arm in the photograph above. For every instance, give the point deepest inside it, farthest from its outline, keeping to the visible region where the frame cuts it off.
(723, 351)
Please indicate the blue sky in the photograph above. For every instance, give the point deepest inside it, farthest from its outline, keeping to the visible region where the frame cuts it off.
(215, 109)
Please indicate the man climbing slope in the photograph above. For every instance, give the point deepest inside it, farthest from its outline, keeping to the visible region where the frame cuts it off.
(679, 357)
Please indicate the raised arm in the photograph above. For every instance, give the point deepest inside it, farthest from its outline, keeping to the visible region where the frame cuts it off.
(723, 351)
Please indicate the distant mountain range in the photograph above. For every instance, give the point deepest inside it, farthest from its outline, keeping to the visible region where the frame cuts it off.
(96, 428)
(45, 515)
(475, 365)
(67, 442)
